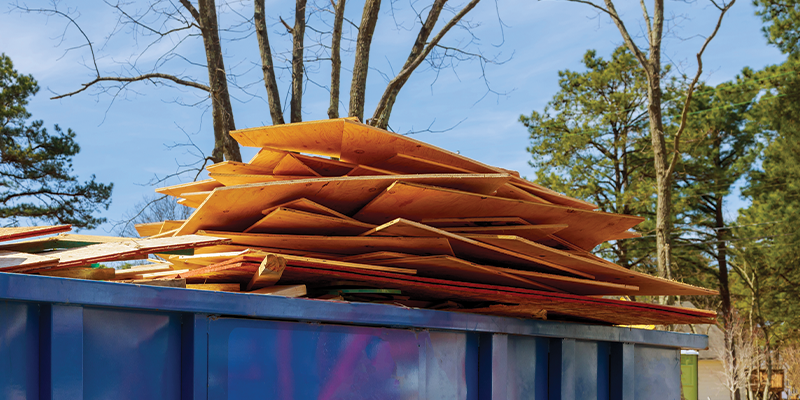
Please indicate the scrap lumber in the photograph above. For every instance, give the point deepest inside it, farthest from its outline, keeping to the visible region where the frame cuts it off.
(215, 287)
(534, 233)
(138, 270)
(445, 223)
(14, 261)
(24, 232)
(130, 248)
(585, 229)
(588, 308)
(247, 179)
(268, 273)
(191, 187)
(344, 245)
(303, 204)
(288, 221)
(283, 290)
(238, 207)
(95, 274)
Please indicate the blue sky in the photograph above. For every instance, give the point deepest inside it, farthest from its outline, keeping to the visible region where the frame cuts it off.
(125, 138)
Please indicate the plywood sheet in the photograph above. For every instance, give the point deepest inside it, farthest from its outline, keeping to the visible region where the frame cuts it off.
(13, 261)
(148, 229)
(315, 137)
(194, 199)
(586, 229)
(95, 274)
(407, 164)
(236, 208)
(191, 187)
(344, 245)
(510, 191)
(290, 165)
(473, 222)
(474, 250)
(288, 221)
(378, 255)
(534, 233)
(234, 248)
(267, 158)
(626, 235)
(141, 269)
(235, 167)
(24, 232)
(303, 204)
(325, 166)
(120, 250)
(215, 287)
(602, 270)
(282, 290)
(242, 179)
(587, 308)
(551, 195)
(364, 170)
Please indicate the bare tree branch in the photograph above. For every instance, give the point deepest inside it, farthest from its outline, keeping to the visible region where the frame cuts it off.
(145, 77)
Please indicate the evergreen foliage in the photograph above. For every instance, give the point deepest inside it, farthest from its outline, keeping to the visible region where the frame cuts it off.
(36, 178)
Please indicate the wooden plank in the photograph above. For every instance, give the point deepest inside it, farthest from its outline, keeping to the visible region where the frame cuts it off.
(290, 165)
(453, 268)
(95, 274)
(604, 271)
(165, 234)
(557, 304)
(474, 250)
(315, 137)
(444, 223)
(230, 248)
(216, 287)
(194, 199)
(268, 273)
(534, 233)
(287, 221)
(626, 235)
(191, 187)
(345, 245)
(24, 232)
(141, 269)
(235, 208)
(407, 164)
(124, 249)
(365, 170)
(170, 225)
(242, 179)
(235, 167)
(303, 204)
(13, 261)
(177, 282)
(586, 229)
(282, 290)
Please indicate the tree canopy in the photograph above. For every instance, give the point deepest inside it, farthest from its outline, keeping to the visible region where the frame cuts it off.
(36, 177)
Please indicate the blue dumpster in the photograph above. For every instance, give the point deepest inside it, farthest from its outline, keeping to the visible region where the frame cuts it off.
(71, 339)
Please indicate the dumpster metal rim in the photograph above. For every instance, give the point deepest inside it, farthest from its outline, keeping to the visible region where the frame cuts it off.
(32, 288)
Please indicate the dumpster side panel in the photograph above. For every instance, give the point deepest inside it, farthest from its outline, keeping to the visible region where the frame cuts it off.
(19, 350)
(527, 367)
(131, 354)
(291, 360)
(658, 373)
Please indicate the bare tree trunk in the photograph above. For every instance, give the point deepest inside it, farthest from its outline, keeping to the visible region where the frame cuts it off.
(267, 67)
(224, 145)
(298, 36)
(418, 53)
(358, 87)
(336, 59)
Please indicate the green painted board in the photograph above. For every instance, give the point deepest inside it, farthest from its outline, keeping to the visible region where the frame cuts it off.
(689, 376)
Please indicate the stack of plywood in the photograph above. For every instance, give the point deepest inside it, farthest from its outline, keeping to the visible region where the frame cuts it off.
(337, 204)
(340, 210)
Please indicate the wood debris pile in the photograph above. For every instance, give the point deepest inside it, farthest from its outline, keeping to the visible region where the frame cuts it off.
(337, 209)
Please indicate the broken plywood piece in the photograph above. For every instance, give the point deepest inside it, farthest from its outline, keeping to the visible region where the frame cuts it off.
(288, 221)
(444, 223)
(24, 232)
(586, 229)
(406, 164)
(238, 168)
(534, 233)
(194, 199)
(236, 208)
(303, 204)
(241, 179)
(290, 165)
(365, 170)
(141, 269)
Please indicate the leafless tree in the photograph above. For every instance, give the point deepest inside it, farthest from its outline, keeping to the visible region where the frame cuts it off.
(738, 355)
(152, 208)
